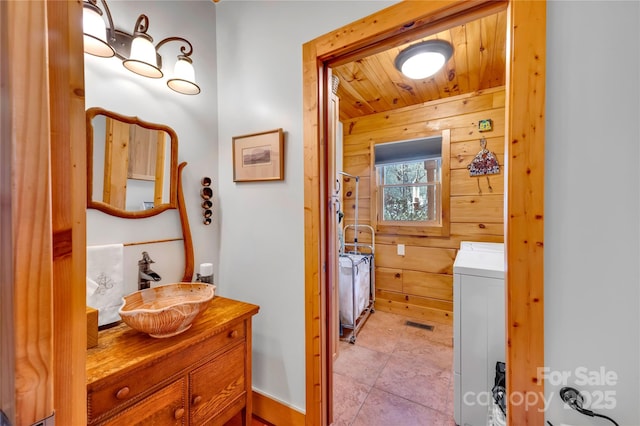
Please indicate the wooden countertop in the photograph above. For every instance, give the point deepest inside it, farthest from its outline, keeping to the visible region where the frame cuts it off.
(122, 348)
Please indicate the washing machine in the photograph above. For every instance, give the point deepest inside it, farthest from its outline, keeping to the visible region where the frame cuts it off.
(479, 328)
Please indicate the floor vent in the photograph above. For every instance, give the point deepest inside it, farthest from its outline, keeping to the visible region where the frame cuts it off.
(419, 325)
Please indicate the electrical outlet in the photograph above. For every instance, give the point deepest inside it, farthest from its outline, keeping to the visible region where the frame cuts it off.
(400, 249)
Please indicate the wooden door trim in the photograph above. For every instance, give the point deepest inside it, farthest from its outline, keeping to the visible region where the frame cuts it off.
(524, 150)
(68, 209)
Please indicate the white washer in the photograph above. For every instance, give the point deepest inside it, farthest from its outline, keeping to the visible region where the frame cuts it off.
(479, 328)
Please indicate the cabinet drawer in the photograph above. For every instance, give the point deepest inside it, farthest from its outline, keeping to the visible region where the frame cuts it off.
(167, 406)
(125, 389)
(217, 384)
(220, 340)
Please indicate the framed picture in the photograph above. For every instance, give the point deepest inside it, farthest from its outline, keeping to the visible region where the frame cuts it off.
(259, 156)
(146, 205)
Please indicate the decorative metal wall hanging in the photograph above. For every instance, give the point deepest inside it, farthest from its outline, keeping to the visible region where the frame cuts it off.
(485, 163)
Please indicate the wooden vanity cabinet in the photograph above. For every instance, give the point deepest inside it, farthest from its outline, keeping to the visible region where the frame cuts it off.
(202, 376)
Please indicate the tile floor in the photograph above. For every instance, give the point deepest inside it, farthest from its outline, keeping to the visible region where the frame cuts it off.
(395, 375)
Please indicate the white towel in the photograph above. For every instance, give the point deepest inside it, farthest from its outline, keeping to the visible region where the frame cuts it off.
(105, 281)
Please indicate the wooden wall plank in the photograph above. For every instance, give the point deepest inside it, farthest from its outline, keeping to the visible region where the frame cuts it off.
(477, 230)
(389, 279)
(413, 310)
(453, 242)
(68, 175)
(385, 296)
(463, 127)
(451, 107)
(463, 184)
(427, 259)
(436, 286)
(471, 208)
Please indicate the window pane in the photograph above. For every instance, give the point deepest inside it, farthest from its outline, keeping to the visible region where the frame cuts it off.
(410, 203)
(422, 171)
(412, 172)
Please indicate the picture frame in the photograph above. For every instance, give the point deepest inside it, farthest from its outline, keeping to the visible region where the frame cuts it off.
(259, 156)
(147, 205)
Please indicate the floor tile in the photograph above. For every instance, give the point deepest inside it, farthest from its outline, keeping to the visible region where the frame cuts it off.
(385, 409)
(416, 382)
(348, 396)
(360, 363)
(381, 332)
(419, 346)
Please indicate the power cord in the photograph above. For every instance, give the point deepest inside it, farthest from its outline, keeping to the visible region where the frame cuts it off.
(573, 399)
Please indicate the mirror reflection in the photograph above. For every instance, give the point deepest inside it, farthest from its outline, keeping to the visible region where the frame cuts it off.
(131, 165)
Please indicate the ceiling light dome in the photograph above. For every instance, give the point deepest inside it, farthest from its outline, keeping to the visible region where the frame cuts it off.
(423, 59)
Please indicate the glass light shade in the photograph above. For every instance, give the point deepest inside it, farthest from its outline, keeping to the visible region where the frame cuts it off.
(142, 59)
(95, 34)
(424, 59)
(423, 65)
(184, 80)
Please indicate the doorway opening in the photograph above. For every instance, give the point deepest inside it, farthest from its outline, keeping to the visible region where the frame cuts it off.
(525, 100)
(409, 143)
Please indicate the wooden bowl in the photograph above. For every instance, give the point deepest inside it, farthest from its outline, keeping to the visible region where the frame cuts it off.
(167, 310)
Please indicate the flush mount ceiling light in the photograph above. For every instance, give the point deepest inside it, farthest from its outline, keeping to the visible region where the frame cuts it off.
(136, 50)
(423, 59)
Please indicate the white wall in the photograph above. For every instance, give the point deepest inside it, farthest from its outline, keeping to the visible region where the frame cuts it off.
(194, 118)
(592, 204)
(262, 233)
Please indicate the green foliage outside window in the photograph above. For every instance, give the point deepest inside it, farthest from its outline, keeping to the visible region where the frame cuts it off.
(410, 191)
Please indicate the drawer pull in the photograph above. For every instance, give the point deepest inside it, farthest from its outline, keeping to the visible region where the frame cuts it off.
(233, 334)
(123, 393)
(197, 400)
(178, 413)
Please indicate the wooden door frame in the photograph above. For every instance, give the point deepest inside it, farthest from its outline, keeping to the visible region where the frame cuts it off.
(524, 168)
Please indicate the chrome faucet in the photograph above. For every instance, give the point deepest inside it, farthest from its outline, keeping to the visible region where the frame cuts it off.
(145, 274)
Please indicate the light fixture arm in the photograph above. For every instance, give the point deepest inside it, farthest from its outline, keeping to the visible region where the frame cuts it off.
(141, 27)
(185, 54)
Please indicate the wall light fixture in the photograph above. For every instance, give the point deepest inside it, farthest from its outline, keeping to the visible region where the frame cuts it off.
(423, 59)
(136, 50)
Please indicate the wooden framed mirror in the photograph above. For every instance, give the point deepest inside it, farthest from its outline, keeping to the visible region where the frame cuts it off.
(132, 165)
(133, 172)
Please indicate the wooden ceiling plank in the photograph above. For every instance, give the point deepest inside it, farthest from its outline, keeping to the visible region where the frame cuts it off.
(358, 83)
(459, 42)
(472, 31)
(377, 83)
(449, 71)
(487, 38)
(349, 94)
(500, 50)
